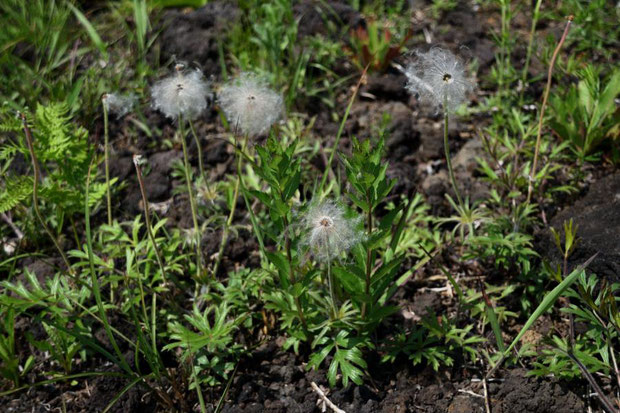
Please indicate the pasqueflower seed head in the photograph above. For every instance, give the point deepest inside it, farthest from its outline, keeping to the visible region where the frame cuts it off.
(183, 93)
(328, 233)
(438, 77)
(118, 104)
(250, 105)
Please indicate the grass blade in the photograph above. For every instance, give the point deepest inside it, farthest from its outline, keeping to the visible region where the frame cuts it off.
(548, 301)
(90, 30)
(120, 394)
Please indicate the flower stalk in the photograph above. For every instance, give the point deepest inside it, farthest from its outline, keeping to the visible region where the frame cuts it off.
(446, 146)
(106, 156)
(233, 208)
(192, 201)
(201, 167)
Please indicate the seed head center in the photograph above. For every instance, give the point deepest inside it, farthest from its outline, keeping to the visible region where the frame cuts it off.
(447, 78)
(326, 222)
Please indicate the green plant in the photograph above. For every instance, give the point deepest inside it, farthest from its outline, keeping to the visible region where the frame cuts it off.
(182, 97)
(596, 28)
(545, 304)
(42, 28)
(366, 173)
(210, 348)
(338, 323)
(61, 149)
(61, 346)
(506, 247)
(376, 47)
(266, 41)
(586, 116)
(436, 341)
(592, 353)
(347, 358)
(10, 367)
(438, 7)
(543, 106)
(503, 72)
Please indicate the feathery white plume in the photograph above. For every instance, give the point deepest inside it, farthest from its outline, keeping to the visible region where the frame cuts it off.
(328, 233)
(183, 93)
(120, 105)
(250, 105)
(438, 77)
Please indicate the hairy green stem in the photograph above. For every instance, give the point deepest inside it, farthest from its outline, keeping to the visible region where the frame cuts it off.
(368, 253)
(35, 196)
(233, 208)
(253, 219)
(289, 257)
(106, 156)
(192, 202)
(446, 146)
(200, 162)
(330, 283)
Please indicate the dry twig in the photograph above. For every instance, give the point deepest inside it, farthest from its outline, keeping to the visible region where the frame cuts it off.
(325, 399)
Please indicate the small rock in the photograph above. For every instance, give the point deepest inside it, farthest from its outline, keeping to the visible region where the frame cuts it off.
(388, 86)
(162, 162)
(156, 186)
(120, 167)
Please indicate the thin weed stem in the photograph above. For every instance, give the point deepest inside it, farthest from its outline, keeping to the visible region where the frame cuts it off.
(194, 376)
(340, 130)
(530, 47)
(35, 196)
(203, 407)
(192, 202)
(106, 156)
(530, 187)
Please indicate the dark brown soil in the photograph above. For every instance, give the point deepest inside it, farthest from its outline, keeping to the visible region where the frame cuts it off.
(597, 215)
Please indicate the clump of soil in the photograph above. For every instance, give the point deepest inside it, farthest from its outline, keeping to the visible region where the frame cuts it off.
(597, 216)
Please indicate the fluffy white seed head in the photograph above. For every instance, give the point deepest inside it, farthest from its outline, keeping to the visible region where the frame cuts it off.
(250, 105)
(184, 93)
(439, 78)
(327, 232)
(118, 104)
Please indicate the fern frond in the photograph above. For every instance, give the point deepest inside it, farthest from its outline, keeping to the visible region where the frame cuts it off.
(9, 122)
(15, 191)
(8, 151)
